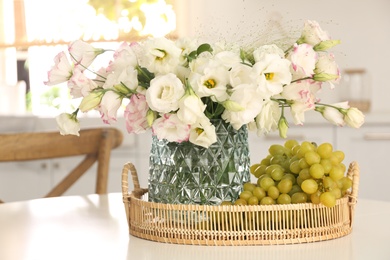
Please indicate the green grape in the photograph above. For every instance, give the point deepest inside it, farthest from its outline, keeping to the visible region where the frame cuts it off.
(295, 150)
(317, 171)
(312, 157)
(306, 147)
(253, 168)
(259, 193)
(272, 167)
(315, 197)
(303, 164)
(289, 144)
(273, 192)
(285, 185)
(265, 161)
(226, 202)
(260, 170)
(266, 182)
(253, 200)
(339, 155)
(277, 174)
(328, 199)
(295, 188)
(304, 174)
(336, 192)
(299, 197)
(309, 186)
(276, 149)
(248, 186)
(336, 173)
(294, 167)
(240, 201)
(346, 183)
(245, 195)
(326, 163)
(299, 180)
(290, 176)
(328, 183)
(325, 150)
(267, 201)
(333, 159)
(284, 199)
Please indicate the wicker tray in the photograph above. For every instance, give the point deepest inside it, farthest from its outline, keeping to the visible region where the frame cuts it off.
(236, 225)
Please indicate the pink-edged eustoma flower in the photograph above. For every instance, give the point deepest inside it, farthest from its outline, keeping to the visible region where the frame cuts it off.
(203, 133)
(251, 102)
(83, 53)
(354, 117)
(109, 106)
(125, 81)
(68, 124)
(61, 71)
(136, 114)
(303, 60)
(171, 128)
(270, 74)
(191, 108)
(124, 57)
(267, 119)
(79, 84)
(301, 95)
(327, 69)
(160, 55)
(164, 93)
(313, 34)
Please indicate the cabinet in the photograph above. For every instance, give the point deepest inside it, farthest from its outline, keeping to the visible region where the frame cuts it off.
(369, 146)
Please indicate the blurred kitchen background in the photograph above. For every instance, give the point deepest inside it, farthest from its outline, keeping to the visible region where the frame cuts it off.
(32, 32)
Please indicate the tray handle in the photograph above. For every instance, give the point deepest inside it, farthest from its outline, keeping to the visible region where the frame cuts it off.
(125, 183)
(353, 173)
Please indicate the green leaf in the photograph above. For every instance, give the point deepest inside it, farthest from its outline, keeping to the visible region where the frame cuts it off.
(204, 47)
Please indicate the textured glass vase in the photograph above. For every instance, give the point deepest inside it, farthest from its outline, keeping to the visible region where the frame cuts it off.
(184, 173)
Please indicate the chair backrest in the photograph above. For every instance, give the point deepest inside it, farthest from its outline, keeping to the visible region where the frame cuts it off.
(95, 144)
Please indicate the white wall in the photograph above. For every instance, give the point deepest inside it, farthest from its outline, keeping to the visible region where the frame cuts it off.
(363, 26)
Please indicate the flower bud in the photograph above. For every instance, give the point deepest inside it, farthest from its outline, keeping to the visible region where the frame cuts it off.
(354, 117)
(91, 101)
(323, 77)
(68, 124)
(325, 45)
(283, 127)
(150, 117)
(232, 106)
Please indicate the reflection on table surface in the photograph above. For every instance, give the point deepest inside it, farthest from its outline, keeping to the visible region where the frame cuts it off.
(95, 227)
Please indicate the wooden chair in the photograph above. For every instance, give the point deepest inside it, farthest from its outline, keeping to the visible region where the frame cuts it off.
(96, 144)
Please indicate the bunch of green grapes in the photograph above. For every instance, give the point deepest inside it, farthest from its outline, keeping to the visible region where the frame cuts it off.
(297, 173)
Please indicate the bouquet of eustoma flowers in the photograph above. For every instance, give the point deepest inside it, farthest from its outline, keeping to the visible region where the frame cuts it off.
(176, 87)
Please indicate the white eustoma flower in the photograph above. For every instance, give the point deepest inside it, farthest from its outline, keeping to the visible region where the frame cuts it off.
(264, 50)
(61, 70)
(227, 59)
(83, 53)
(191, 108)
(68, 124)
(160, 55)
(303, 60)
(267, 119)
(203, 133)
(271, 73)
(333, 113)
(213, 83)
(79, 84)
(250, 100)
(240, 74)
(354, 117)
(109, 105)
(313, 34)
(164, 93)
(171, 128)
(126, 78)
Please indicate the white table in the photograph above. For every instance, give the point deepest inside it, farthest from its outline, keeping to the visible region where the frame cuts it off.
(95, 227)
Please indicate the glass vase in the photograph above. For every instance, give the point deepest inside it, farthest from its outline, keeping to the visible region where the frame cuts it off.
(184, 173)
